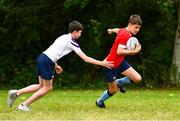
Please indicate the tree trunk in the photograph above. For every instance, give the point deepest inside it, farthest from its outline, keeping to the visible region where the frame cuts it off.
(178, 3)
(176, 55)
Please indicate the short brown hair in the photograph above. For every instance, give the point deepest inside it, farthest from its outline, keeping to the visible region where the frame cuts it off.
(75, 26)
(135, 19)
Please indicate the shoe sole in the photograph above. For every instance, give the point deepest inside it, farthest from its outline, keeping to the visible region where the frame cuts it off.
(99, 106)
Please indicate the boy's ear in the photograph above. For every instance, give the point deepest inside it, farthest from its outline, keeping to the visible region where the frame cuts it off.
(74, 32)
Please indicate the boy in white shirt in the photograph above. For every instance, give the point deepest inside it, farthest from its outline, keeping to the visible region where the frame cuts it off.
(47, 65)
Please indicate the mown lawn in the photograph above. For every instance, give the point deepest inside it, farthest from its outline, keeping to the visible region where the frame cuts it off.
(80, 105)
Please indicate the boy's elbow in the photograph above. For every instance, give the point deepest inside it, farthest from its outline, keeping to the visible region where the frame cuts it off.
(86, 59)
(119, 53)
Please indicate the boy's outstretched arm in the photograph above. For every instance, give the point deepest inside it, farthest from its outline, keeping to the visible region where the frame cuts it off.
(111, 31)
(87, 59)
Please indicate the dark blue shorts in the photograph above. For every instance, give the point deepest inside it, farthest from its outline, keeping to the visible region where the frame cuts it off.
(45, 67)
(112, 74)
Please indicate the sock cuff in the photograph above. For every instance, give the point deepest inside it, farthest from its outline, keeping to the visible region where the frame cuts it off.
(16, 94)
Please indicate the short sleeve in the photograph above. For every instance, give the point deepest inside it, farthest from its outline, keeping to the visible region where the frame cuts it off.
(122, 38)
(75, 47)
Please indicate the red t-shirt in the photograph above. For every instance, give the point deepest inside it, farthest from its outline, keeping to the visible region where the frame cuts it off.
(120, 41)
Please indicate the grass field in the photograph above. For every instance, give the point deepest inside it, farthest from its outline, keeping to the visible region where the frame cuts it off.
(80, 105)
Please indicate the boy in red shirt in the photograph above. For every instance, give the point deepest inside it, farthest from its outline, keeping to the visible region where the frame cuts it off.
(121, 66)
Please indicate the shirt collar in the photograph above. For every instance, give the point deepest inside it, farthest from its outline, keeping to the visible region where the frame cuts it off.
(72, 39)
(128, 30)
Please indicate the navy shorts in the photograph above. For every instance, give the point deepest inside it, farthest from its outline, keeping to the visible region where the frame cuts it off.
(112, 74)
(45, 67)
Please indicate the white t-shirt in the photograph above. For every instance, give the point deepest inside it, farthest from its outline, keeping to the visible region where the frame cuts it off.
(61, 47)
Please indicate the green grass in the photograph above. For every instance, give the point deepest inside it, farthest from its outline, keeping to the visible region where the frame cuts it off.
(80, 105)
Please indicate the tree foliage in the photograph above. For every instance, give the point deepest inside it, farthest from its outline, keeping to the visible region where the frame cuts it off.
(28, 27)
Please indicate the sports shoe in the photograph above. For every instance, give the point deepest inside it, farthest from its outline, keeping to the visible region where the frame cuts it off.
(23, 107)
(121, 88)
(100, 104)
(12, 96)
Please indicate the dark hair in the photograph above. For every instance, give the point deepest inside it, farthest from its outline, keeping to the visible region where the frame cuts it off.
(135, 19)
(75, 26)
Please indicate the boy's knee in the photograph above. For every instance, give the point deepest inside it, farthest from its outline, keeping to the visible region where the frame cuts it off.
(137, 79)
(113, 90)
(40, 86)
(50, 88)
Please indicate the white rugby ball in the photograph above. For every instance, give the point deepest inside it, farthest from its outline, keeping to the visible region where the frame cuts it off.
(131, 43)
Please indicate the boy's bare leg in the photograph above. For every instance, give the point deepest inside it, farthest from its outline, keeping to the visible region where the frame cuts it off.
(13, 94)
(30, 89)
(132, 75)
(47, 86)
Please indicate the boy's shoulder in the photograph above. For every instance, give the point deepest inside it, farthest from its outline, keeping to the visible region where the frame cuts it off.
(123, 32)
(64, 36)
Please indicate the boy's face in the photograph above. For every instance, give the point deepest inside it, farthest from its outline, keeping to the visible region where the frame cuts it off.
(77, 34)
(134, 28)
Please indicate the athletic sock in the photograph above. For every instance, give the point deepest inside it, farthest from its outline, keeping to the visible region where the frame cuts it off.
(106, 94)
(123, 81)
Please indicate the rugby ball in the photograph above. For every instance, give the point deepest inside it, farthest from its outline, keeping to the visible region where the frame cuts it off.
(131, 43)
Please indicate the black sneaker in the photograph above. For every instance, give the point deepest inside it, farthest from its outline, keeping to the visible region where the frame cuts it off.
(121, 88)
(102, 105)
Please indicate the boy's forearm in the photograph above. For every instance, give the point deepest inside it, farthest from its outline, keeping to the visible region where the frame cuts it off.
(93, 61)
(114, 30)
(126, 52)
